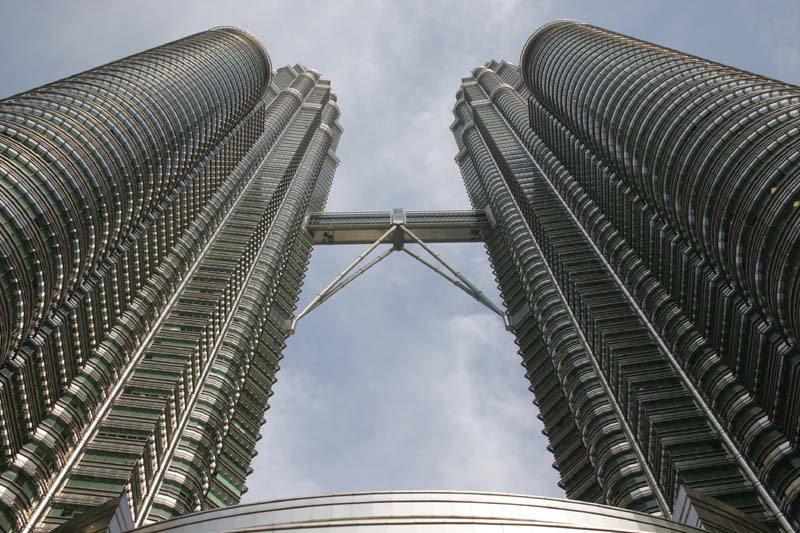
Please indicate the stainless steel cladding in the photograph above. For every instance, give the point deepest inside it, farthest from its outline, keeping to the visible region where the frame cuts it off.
(149, 248)
(647, 249)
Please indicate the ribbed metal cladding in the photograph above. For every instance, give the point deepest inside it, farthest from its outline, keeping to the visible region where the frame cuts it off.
(151, 255)
(601, 462)
(102, 173)
(658, 351)
(660, 195)
(712, 155)
(713, 150)
(213, 457)
(179, 435)
(86, 159)
(182, 399)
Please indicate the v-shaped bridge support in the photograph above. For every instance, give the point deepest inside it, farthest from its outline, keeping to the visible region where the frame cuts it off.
(441, 226)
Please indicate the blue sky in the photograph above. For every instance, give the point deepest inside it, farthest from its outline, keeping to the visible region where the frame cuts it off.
(399, 381)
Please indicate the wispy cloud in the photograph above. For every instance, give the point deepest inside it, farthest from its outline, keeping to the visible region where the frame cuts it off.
(438, 405)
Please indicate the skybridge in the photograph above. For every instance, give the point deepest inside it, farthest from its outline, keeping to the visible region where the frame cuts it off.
(398, 228)
(364, 227)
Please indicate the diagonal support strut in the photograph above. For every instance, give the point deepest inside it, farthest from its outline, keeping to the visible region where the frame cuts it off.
(318, 298)
(473, 290)
(346, 281)
(395, 231)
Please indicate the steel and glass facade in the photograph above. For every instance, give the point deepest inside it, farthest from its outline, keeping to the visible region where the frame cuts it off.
(150, 257)
(647, 247)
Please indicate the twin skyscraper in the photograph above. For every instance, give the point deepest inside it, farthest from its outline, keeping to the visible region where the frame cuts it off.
(640, 208)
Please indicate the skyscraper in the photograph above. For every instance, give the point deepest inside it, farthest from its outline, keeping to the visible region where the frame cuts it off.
(150, 255)
(647, 246)
(640, 207)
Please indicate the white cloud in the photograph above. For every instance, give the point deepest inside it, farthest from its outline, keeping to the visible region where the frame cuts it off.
(414, 386)
(279, 469)
(492, 451)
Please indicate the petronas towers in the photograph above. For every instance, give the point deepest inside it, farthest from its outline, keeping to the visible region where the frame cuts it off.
(151, 214)
(661, 359)
(640, 208)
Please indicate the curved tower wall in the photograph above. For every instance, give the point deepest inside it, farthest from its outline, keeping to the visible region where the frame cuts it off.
(709, 156)
(101, 174)
(658, 194)
(711, 150)
(703, 163)
(609, 367)
(150, 256)
(87, 159)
